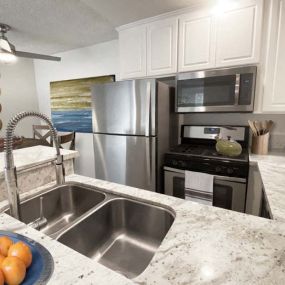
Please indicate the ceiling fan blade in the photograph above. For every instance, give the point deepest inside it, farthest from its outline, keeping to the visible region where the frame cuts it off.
(36, 56)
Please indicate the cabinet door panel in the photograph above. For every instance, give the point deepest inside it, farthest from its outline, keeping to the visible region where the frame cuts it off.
(274, 98)
(162, 47)
(132, 44)
(238, 35)
(196, 42)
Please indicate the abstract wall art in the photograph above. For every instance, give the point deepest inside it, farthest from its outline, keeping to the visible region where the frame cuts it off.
(71, 103)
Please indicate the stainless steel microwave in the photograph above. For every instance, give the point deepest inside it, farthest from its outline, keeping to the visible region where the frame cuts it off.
(219, 90)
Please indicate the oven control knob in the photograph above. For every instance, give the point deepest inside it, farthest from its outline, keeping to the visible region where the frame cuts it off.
(174, 162)
(218, 169)
(230, 171)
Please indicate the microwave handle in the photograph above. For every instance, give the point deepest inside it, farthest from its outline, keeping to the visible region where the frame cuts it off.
(237, 88)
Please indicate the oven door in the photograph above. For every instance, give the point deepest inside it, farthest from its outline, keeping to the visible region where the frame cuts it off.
(228, 192)
(174, 180)
(228, 90)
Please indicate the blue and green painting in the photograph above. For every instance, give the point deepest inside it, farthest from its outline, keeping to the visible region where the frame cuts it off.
(71, 103)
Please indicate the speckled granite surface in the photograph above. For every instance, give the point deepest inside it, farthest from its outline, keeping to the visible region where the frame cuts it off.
(35, 167)
(205, 245)
(35, 177)
(70, 267)
(32, 156)
(272, 170)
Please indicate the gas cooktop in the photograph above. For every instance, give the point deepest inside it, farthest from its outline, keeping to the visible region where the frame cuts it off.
(198, 153)
(206, 152)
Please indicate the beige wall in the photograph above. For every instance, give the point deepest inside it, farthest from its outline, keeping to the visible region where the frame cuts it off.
(18, 93)
(96, 60)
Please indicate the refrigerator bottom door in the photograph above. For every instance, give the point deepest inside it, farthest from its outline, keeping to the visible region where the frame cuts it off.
(128, 160)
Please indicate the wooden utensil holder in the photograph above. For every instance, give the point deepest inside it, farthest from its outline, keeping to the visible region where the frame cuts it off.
(260, 144)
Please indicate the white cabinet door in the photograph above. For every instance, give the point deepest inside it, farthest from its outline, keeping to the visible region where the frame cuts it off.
(196, 41)
(274, 92)
(239, 34)
(132, 43)
(162, 47)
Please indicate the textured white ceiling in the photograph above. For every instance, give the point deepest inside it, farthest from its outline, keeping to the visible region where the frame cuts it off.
(51, 26)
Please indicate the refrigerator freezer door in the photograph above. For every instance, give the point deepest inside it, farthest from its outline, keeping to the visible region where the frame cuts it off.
(124, 107)
(128, 160)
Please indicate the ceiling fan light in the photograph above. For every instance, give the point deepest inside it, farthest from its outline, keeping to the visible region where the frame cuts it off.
(7, 57)
(5, 45)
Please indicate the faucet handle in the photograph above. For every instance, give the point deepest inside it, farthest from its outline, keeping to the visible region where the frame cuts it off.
(41, 207)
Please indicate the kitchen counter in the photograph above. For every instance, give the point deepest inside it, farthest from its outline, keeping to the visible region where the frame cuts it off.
(70, 267)
(272, 171)
(35, 167)
(32, 156)
(205, 245)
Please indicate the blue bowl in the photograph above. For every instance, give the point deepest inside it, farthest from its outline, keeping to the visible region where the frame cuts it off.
(42, 265)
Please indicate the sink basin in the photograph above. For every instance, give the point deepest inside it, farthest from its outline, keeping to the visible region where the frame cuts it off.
(61, 206)
(121, 234)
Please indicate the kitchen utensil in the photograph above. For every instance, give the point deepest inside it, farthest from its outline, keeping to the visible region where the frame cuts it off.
(228, 147)
(42, 265)
(252, 127)
(269, 124)
(258, 127)
(264, 127)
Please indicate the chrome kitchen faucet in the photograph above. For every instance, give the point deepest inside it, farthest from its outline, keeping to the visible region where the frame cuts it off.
(10, 169)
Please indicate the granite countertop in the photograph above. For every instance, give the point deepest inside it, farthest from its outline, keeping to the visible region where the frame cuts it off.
(205, 245)
(272, 171)
(70, 267)
(32, 156)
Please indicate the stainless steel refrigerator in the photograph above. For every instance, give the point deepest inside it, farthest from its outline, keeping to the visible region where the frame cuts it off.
(131, 127)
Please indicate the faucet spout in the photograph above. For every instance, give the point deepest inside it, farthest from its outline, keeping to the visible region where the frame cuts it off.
(10, 169)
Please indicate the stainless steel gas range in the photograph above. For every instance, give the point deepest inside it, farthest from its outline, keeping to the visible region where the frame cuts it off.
(197, 153)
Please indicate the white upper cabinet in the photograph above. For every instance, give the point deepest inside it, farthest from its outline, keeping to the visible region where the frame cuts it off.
(132, 44)
(162, 47)
(274, 95)
(196, 41)
(239, 34)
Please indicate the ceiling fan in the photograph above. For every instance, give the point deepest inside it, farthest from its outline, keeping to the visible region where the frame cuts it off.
(8, 52)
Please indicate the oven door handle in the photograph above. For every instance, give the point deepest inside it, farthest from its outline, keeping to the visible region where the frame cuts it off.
(230, 179)
(216, 177)
(174, 170)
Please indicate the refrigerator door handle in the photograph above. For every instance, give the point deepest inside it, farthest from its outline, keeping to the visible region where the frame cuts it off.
(148, 109)
(148, 160)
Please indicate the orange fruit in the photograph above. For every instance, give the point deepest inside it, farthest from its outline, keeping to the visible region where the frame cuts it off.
(22, 251)
(5, 244)
(14, 270)
(2, 257)
(1, 278)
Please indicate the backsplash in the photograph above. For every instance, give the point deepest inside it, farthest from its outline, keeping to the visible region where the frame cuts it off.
(277, 138)
(35, 177)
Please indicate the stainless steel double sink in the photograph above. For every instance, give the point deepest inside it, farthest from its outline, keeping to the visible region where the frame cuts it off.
(118, 232)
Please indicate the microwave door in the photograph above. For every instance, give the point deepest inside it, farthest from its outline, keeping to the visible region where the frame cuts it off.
(205, 93)
(229, 90)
